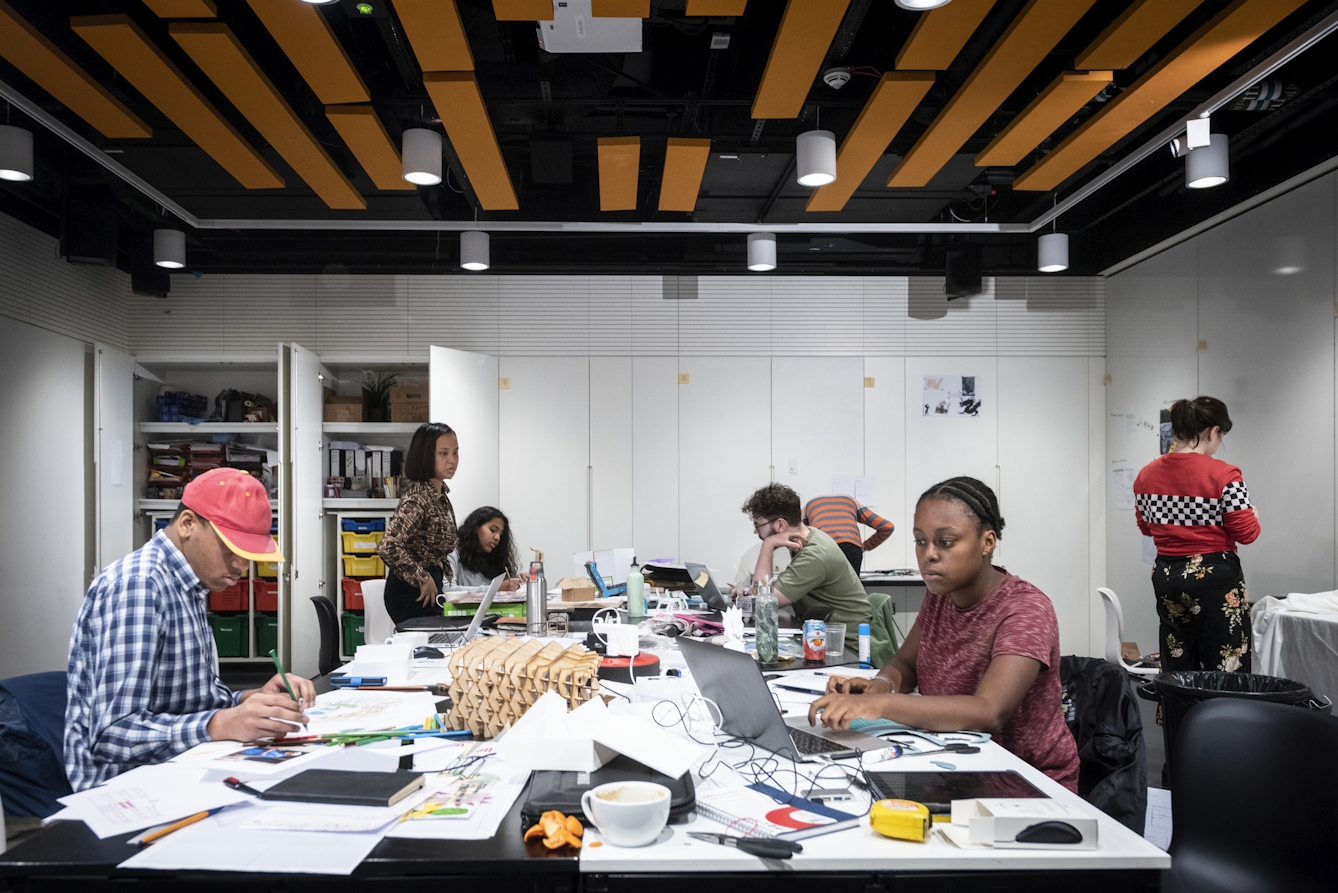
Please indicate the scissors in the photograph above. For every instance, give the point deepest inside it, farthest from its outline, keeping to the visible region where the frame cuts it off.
(762, 847)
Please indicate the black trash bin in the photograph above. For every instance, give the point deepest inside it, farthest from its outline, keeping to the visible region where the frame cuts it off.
(1179, 691)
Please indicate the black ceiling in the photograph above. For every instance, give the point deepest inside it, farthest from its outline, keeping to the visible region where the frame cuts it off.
(544, 106)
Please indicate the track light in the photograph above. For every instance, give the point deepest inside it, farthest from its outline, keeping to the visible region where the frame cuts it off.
(474, 254)
(761, 252)
(816, 157)
(421, 152)
(16, 153)
(1209, 165)
(921, 5)
(1052, 253)
(169, 248)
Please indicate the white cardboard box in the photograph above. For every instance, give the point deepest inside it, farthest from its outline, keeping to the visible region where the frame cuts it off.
(997, 822)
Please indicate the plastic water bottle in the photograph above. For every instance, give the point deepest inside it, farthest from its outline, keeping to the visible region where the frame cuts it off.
(766, 622)
(636, 594)
(865, 646)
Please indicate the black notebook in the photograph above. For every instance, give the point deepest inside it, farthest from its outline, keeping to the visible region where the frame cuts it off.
(346, 788)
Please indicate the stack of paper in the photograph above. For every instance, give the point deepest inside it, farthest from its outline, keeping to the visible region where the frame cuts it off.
(143, 797)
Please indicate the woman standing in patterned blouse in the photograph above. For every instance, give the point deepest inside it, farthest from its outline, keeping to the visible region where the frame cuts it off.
(422, 531)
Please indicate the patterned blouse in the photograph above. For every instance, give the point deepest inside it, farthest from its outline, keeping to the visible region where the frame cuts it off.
(421, 533)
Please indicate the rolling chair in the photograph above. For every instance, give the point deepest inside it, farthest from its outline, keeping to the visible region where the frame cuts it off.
(32, 744)
(377, 625)
(325, 613)
(1115, 635)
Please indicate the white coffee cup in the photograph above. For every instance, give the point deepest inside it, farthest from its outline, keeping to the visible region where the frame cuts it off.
(627, 813)
(415, 639)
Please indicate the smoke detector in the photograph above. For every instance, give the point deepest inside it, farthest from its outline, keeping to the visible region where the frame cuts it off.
(837, 77)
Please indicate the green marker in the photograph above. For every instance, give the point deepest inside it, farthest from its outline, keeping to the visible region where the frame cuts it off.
(284, 676)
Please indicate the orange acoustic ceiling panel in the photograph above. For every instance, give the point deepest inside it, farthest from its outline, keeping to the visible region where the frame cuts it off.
(1228, 33)
(1043, 116)
(522, 10)
(619, 163)
(459, 104)
(435, 33)
(893, 100)
(224, 61)
(620, 9)
(129, 50)
(183, 9)
(1134, 32)
(31, 53)
(806, 31)
(940, 34)
(1029, 38)
(684, 164)
(364, 134)
(305, 37)
(716, 7)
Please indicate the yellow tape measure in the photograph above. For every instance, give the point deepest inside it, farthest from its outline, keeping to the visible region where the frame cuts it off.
(900, 819)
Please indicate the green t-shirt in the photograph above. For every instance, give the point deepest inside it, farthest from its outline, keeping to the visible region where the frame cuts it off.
(820, 574)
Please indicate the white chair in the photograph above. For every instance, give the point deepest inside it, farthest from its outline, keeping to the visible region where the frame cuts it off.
(376, 622)
(1115, 635)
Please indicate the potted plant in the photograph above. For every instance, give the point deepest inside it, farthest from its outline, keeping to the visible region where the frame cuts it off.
(376, 395)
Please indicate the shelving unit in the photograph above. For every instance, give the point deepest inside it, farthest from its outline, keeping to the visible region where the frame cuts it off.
(335, 523)
(209, 428)
(365, 429)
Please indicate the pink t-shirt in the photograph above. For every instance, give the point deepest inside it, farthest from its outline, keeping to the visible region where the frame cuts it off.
(956, 648)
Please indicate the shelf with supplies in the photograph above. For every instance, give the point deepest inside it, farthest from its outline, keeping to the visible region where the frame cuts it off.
(209, 428)
(360, 505)
(170, 505)
(352, 540)
(371, 428)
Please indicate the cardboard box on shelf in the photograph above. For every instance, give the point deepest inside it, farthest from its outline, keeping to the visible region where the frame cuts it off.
(408, 412)
(576, 589)
(408, 394)
(343, 409)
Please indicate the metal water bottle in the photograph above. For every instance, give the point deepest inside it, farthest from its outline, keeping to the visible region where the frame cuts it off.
(766, 622)
(536, 598)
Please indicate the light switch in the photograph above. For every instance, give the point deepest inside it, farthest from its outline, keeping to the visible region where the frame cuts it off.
(683, 378)
(794, 465)
(503, 384)
(868, 381)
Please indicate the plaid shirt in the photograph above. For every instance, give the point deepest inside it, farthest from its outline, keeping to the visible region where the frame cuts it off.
(143, 675)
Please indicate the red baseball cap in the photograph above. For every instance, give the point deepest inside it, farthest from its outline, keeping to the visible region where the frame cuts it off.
(237, 507)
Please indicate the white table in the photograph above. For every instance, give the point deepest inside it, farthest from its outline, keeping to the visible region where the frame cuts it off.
(1301, 646)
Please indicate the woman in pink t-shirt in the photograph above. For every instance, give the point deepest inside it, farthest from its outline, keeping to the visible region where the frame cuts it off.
(984, 650)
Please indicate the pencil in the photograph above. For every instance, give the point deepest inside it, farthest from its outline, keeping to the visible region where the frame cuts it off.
(284, 676)
(177, 826)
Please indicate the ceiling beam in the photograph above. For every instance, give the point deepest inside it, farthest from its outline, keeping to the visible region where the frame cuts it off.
(1029, 38)
(435, 32)
(459, 105)
(362, 131)
(222, 58)
(183, 9)
(619, 165)
(706, 8)
(684, 165)
(28, 50)
(1045, 114)
(306, 39)
(1135, 31)
(129, 50)
(940, 34)
(883, 116)
(1228, 33)
(806, 31)
(620, 9)
(522, 10)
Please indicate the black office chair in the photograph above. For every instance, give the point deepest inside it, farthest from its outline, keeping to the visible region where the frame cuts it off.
(325, 613)
(1255, 804)
(32, 746)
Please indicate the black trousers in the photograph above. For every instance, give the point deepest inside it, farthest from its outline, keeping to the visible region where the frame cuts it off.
(854, 553)
(1204, 610)
(402, 598)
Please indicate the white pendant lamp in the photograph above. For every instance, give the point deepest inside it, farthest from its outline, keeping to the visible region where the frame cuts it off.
(921, 5)
(16, 153)
(1052, 253)
(761, 252)
(1208, 165)
(169, 248)
(816, 157)
(474, 250)
(421, 153)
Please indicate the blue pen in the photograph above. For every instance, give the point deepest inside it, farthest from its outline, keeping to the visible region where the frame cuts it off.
(356, 681)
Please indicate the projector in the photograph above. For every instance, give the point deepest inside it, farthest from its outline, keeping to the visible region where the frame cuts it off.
(574, 30)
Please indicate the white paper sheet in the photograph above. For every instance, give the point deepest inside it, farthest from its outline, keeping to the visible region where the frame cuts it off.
(1157, 825)
(234, 758)
(147, 796)
(342, 711)
(332, 818)
(503, 785)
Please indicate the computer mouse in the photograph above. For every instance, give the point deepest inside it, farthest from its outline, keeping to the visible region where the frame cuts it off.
(1049, 832)
(426, 651)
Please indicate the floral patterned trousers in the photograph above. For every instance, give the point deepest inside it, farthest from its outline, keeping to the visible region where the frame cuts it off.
(1204, 610)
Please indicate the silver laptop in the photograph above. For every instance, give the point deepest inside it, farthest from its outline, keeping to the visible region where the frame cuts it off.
(733, 680)
(446, 630)
(701, 578)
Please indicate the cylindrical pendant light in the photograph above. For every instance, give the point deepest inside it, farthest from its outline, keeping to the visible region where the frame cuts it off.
(16, 153)
(1052, 253)
(816, 157)
(169, 248)
(922, 5)
(761, 252)
(474, 250)
(421, 153)
(1208, 165)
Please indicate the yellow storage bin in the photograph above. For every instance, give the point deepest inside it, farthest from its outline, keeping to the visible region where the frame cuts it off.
(362, 542)
(268, 569)
(364, 566)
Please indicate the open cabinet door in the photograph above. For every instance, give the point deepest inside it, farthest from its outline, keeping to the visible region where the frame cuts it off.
(463, 394)
(113, 451)
(301, 445)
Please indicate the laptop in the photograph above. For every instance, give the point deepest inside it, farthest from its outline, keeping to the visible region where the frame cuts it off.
(446, 630)
(734, 682)
(701, 578)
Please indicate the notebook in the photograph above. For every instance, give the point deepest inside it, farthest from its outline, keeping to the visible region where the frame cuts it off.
(346, 788)
(759, 810)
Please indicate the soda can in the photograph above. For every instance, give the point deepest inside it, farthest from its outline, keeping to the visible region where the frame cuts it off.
(815, 640)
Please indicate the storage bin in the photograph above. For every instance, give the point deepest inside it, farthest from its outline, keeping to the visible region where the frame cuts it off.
(231, 635)
(269, 569)
(267, 633)
(364, 566)
(353, 627)
(362, 542)
(352, 594)
(231, 599)
(267, 594)
(513, 609)
(363, 525)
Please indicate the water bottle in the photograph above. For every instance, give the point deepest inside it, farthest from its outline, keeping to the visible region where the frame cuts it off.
(865, 645)
(766, 622)
(636, 594)
(536, 598)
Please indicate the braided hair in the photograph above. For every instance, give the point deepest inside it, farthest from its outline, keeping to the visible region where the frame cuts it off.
(978, 498)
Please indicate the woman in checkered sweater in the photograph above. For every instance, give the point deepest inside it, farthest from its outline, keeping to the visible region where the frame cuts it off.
(1196, 509)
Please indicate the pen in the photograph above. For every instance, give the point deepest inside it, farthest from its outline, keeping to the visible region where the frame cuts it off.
(149, 838)
(284, 676)
(357, 681)
(239, 785)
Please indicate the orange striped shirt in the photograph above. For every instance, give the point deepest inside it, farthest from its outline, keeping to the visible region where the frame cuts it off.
(840, 516)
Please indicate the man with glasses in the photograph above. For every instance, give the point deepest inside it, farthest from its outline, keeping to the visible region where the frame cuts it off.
(818, 575)
(143, 674)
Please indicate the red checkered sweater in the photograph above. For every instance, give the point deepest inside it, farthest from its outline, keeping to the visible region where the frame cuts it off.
(1191, 504)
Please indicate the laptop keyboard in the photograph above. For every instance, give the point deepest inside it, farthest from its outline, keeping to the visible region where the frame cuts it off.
(811, 745)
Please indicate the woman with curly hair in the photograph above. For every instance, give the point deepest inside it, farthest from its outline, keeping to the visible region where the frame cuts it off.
(485, 550)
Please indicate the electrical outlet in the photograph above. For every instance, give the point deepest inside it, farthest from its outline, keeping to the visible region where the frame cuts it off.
(794, 465)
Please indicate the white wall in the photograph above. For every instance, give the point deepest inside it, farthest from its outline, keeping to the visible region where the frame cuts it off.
(1243, 312)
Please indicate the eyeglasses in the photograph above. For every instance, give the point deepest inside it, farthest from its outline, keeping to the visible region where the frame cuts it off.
(758, 525)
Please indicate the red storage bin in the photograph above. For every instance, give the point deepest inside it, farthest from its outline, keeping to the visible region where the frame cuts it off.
(231, 599)
(267, 594)
(352, 594)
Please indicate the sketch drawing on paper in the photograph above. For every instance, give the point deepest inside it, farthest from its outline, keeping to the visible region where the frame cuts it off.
(950, 395)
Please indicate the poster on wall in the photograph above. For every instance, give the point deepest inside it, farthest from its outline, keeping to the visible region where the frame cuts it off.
(1164, 430)
(951, 395)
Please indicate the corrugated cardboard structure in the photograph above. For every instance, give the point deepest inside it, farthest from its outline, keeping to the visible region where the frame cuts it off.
(494, 680)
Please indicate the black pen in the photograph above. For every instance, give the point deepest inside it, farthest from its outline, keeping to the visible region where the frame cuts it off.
(239, 785)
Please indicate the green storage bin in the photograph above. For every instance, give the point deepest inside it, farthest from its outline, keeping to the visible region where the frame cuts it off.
(267, 633)
(231, 634)
(511, 609)
(353, 626)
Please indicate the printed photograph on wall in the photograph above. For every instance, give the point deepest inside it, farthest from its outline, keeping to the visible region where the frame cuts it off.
(950, 395)
(1167, 438)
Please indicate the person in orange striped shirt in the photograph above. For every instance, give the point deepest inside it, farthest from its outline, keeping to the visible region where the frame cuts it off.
(839, 517)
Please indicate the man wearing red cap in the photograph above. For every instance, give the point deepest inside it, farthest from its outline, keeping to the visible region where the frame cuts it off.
(143, 674)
